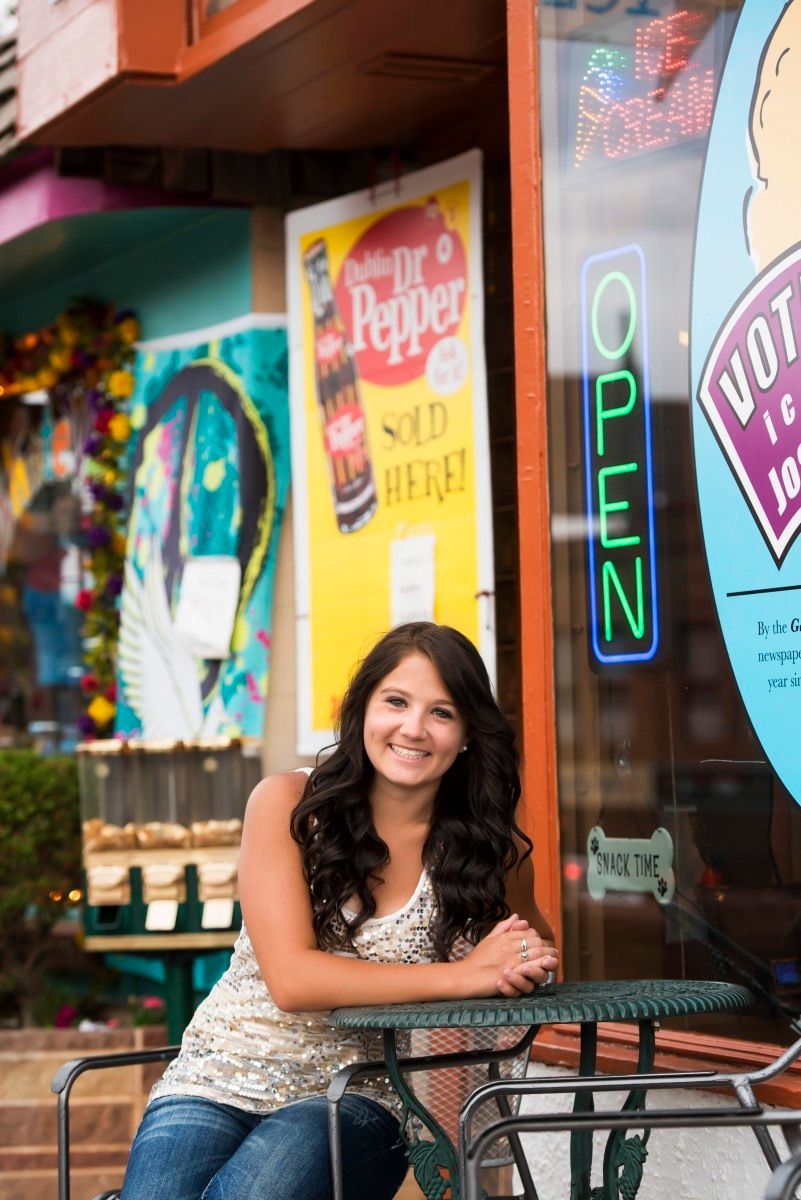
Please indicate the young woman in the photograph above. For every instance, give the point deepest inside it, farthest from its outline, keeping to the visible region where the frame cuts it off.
(394, 871)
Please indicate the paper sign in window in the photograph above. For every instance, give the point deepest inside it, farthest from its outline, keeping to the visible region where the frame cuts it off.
(412, 590)
(208, 603)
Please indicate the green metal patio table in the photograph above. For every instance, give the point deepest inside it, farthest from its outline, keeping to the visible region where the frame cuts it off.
(436, 1163)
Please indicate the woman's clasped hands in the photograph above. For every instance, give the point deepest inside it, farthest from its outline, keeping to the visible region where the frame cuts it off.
(511, 960)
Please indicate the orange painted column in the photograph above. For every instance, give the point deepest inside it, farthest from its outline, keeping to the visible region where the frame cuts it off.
(540, 812)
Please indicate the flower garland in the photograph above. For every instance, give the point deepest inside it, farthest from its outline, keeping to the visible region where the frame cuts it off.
(89, 348)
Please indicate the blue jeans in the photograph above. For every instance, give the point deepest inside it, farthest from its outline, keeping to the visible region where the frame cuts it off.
(193, 1149)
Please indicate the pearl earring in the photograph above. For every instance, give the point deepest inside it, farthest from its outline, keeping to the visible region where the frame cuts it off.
(462, 750)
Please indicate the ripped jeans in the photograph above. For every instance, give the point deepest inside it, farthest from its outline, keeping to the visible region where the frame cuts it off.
(192, 1149)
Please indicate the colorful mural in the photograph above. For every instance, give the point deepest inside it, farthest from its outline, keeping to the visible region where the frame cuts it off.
(209, 475)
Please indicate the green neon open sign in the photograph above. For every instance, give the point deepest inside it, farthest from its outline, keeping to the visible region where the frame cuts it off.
(618, 460)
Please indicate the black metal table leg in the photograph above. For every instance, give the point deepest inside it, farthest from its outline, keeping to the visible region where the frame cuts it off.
(581, 1141)
(624, 1156)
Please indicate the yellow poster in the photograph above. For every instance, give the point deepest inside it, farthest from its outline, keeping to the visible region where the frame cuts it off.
(390, 448)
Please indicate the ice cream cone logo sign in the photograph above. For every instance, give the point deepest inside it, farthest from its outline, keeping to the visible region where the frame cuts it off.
(745, 348)
(388, 318)
(750, 388)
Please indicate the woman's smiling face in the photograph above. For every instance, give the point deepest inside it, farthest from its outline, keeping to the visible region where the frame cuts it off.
(412, 728)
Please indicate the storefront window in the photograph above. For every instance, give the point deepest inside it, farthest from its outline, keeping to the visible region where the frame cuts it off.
(680, 830)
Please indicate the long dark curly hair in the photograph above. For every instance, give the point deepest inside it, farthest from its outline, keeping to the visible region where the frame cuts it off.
(471, 844)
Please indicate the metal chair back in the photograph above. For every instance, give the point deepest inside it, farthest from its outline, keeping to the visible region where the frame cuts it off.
(473, 1141)
(63, 1083)
(785, 1182)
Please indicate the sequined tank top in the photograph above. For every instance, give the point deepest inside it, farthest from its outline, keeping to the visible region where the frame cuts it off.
(240, 1049)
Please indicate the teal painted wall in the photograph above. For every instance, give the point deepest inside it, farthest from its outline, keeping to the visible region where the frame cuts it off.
(178, 268)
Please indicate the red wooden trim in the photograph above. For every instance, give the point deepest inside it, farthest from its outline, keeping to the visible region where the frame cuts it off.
(225, 17)
(150, 37)
(540, 815)
(226, 31)
(558, 1045)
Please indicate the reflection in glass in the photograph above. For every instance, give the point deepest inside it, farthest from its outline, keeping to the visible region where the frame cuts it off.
(40, 572)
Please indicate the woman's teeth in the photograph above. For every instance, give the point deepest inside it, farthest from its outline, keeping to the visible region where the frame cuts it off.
(402, 752)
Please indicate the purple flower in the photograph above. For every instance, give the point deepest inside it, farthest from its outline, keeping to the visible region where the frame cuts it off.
(98, 489)
(114, 501)
(86, 725)
(99, 536)
(114, 585)
(93, 445)
(95, 399)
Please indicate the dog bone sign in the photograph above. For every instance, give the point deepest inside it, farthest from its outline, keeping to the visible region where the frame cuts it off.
(630, 865)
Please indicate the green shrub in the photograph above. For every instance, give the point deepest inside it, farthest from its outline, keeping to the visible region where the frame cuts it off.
(40, 854)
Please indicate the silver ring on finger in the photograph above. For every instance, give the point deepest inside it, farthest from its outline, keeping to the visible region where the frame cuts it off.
(523, 950)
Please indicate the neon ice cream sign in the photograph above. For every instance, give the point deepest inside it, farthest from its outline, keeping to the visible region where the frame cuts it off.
(655, 97)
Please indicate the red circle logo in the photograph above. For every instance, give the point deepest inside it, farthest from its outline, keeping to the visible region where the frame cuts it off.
(401, 288)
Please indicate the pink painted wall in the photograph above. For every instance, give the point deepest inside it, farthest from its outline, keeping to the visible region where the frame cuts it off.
(31, 194)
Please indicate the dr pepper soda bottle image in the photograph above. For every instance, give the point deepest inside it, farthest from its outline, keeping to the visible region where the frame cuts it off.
(340, 407)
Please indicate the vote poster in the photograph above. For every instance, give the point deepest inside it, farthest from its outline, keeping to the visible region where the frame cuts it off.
(746, 371)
